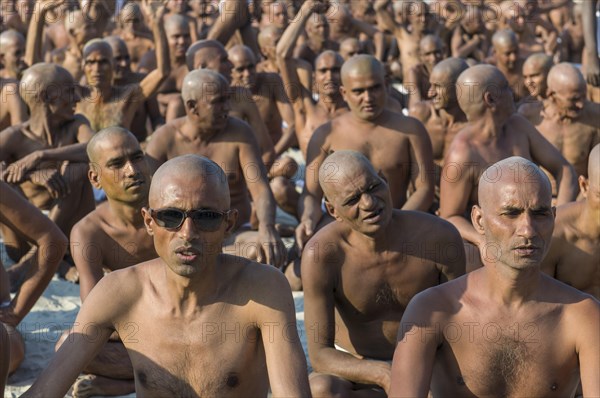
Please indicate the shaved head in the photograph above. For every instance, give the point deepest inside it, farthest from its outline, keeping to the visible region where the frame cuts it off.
(269, 35)
(186, 168)
(539, 60)
(360, 65)
(195, 58)
(474, 83)
(516, 170)
(116, 43)
(108, 134)
(10, 38)
(565, 75)
(337, 166)
(349, 47)
(239, 52)
(329, 53)
(200, 82)
(451, 67)
(43, 81)
(174, 21)
(98, 45)
(504, 38)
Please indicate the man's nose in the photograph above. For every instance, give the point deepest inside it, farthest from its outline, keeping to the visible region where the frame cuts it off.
(187, 231)
(526, 227)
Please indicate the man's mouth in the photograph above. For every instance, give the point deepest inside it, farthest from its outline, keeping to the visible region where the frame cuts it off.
(373, 217)
(187, 254)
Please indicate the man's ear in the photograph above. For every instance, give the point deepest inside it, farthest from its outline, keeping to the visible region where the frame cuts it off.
(1, 60)
(380, 174)
(584, 185)
(94, 175)
(191, 105)
(148, 221)
(230, 221)
(343, 92)
(490, 99)
(477, 219)
(331, 209)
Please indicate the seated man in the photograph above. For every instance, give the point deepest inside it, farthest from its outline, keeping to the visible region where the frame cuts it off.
(506, 58)
(353, 268)
(574, 256)
(105, 104)
(397, 145)
(208, 130)
(535, 73)
(112, 237)
(12, 55)
(134, 32)
(36, 269)
(494, 132)
(505, 329)
(38, 150)
(569, 121)
(185, 304)
(470, 39)
(417, 81)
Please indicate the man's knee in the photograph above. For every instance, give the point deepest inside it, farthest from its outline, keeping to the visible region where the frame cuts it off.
(323, 385)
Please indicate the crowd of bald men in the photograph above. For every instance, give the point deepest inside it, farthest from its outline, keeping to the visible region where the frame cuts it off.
(427, 172)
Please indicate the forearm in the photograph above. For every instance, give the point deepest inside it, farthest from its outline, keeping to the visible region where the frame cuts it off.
(33, 46)
(421, 199)
(309, 206)
(163, 63)
(285, 47)
(265, 208)
(286, 141)
(588, 17)
(73, 153)
(466, 230)
(466, 49)
(232, 12)
(329, 360)
(566, 180)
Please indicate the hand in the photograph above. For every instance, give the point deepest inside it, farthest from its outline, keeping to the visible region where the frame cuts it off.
(154, 13)
(17, 171)
(385, 379)
(52, 181)
(304, 231)
(47, 5)
(271, 248)
(593, 71)
(8, 316)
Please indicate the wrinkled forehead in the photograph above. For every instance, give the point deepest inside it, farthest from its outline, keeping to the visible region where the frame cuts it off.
(326, 61)
(430, 45)
(98, 51)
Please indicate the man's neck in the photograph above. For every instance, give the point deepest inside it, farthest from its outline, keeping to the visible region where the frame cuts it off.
(128, 214)
(489, 127)
(331, 103)
(587, 222)
(7, 73)
(42, 126)
(192, 131)
(508, 286)
(101, 93)
(316, 44)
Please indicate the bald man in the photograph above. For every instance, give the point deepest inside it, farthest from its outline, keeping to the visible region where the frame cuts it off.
(493, 132)
(268, 94)
(211, 55)
(352, 268)
(317, 38)
(574, 256)
(208, 130)
(471, 39)
(45, 156)
(175, 313)
(505, 329)
(310, 114)
(507, 59)
(409, 33)
(31, 274)
(111, 237)
(535, 74)
(134, 32)
(417, 81)
(123, 75)
(106, 105)
(397, 145)
(441, 116)
(179, 40)
(80, 29)
(569, 121)
(12, 55)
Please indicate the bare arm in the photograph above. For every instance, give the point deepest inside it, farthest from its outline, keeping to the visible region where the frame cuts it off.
(309, 205)
(91, 330)
(158, 144)
(387, 22)
(411, 83)
(88, 263)
(318, 276)
(233, 16)
(460, 48)
(287, 114)
(286, 364)
(421, 167)
(153, 80)
(588, 16)
(15, 104)
(456, 187)
(251, 114)
(255, 175)
(414, 356)
(588, 345)
(33, 45)
(20, 215)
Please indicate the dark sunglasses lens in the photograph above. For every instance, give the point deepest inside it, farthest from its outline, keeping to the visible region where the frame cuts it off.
(207, 220)
(169, 218)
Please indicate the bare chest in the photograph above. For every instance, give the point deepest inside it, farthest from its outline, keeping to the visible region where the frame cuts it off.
(122, 249)
(580, 265)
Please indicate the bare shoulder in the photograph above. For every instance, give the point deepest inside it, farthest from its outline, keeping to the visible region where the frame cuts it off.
(440, 302)
(566, 216)
(421, 111)
(326, 240)
(517, 123)
(530, 109)
(167, 131)
(438, 229)
(127, 285)
(577, 305)
(238, 129)
(89, 228)
(460, 149)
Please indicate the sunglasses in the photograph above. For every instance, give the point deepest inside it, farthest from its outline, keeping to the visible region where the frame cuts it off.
(204, 220)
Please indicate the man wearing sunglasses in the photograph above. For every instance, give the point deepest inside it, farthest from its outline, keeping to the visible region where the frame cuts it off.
(195, 321)
(208, 130)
